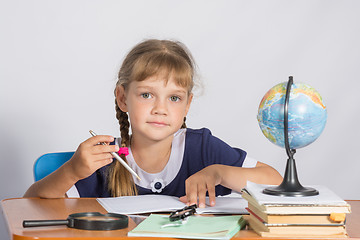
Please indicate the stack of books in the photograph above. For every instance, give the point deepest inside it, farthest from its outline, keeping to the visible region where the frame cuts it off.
(322, 215)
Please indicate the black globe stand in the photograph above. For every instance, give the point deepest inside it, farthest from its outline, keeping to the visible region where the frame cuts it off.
(290, 186)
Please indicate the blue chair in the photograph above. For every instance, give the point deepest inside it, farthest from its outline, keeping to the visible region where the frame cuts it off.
(49, 162)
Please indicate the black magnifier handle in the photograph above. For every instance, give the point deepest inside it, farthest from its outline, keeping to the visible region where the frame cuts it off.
(40, 223)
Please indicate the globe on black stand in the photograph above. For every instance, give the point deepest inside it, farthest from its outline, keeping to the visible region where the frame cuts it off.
(290, 186)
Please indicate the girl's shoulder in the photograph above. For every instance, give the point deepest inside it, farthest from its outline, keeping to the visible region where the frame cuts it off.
(201, 135)
(203, 138)
(201, 144)
(200, 131)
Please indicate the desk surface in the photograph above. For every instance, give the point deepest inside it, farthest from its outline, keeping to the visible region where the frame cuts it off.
(18, 209)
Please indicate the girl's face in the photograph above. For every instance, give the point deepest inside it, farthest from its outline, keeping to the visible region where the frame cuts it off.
(156, 108)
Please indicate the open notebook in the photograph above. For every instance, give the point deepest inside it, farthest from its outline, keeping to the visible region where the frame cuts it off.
(162, 203)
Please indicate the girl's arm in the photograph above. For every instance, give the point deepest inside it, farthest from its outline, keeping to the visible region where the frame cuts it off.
(89, 157)
(55, 185)
(261, 174)
(231, 177)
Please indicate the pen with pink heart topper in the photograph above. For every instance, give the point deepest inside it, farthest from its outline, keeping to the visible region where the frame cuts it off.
(115, 155)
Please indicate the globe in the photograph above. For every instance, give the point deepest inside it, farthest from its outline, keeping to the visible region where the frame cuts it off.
(307, 115)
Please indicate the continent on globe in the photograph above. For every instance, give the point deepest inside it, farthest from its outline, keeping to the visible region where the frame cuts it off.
(307, 115)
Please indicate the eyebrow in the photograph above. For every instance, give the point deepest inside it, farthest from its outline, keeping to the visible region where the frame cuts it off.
(179, 91)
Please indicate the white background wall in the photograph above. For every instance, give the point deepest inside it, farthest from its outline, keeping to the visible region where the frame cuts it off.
(59, 59)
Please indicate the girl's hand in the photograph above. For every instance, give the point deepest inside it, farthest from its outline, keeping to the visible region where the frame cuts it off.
(91, 156)
(231, 177)
(199, 183)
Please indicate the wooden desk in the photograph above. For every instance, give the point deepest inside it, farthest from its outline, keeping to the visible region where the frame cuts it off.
(18, 209)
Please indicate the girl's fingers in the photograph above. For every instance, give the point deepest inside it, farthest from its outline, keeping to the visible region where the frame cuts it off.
(196, 188)
(102, 157)
(211, 191)
(98, 149)
(105, 162)
(202, 195)
(99, 139)
(101, 163)
(191, 193)
(183, 199)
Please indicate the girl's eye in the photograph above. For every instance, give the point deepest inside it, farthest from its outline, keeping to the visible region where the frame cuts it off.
(146, 95)
(174, 98)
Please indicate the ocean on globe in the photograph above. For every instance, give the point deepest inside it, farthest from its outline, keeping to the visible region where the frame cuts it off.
(307, 115)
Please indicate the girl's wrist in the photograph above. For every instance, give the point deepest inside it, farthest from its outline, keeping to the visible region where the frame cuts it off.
(69, 172)
(218, 172)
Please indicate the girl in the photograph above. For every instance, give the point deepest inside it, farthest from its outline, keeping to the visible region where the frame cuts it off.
(154, 92)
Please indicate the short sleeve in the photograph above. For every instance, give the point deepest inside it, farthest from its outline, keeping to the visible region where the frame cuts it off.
(249, 162)
(73, 192)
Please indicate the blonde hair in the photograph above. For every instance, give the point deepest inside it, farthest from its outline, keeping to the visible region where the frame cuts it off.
(147, 59)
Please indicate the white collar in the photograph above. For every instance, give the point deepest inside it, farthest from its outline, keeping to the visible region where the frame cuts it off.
(171, 169)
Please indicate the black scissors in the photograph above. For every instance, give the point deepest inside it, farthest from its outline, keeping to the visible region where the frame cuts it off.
(183, 213)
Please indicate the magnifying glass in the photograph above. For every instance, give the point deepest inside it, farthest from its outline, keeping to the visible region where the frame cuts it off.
(85, 221)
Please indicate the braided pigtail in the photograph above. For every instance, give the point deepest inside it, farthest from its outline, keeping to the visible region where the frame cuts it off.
(121, 182)
(184, 123)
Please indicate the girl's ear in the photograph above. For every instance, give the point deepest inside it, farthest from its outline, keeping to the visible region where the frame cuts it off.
(121, 98)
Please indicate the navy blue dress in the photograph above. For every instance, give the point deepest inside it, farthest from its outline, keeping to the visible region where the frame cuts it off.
(202, 149)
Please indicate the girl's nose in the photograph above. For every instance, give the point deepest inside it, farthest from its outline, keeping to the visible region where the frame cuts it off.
(159, 107)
